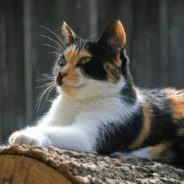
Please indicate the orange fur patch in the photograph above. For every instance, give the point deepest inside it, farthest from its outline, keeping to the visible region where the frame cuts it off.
(117, 61)
(176, 98)
(144, 132)
(72, 56)
(156, 151)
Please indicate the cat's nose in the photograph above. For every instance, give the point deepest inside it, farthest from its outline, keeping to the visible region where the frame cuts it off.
(60, 77)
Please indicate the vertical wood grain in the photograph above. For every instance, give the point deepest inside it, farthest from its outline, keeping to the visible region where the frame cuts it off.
(2, 61)
(12, 68)
(28, 59)
(145, 45)
(176, 43)
(163, 28)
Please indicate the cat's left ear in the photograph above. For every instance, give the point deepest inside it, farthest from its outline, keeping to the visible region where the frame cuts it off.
(114, 37)
(68, 33)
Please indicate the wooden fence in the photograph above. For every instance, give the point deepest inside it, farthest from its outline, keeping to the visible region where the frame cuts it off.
(155, 45)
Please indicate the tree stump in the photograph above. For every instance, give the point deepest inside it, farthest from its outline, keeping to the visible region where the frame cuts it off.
(36, 165)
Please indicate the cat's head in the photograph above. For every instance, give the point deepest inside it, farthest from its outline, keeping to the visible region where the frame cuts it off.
(87, 68)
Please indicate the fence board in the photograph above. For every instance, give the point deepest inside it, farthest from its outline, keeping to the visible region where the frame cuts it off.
(163, 28)
(145, 49)
(28, 70)
(2, 59)
(12, 87)
(176, 42)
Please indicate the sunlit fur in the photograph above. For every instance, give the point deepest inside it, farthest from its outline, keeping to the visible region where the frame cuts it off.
(98, 107)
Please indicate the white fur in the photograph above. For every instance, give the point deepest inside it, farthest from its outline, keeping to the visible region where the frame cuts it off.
(140, 153)
(72, 122)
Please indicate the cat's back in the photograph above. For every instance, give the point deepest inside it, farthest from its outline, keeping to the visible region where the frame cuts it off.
(176, 100)
(167, 101)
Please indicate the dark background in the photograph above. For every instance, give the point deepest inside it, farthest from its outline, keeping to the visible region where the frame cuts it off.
(155, 45)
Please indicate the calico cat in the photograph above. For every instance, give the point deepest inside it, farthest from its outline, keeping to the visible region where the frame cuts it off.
(99, 108)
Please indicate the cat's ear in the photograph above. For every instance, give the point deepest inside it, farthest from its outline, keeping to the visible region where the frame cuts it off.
(68, 33)
(114, 37)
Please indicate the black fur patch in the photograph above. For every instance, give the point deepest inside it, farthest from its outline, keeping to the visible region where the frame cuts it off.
(128, 94)
(116, 136)
(162, 125)
(100, 55)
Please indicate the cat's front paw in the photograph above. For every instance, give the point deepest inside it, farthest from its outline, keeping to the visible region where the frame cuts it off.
(21, 138)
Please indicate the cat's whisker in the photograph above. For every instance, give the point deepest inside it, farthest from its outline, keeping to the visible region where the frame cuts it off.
(45, 85)
(54, 41)
(55, 53)
(46, 77)
(49, 86)
(57, 36)
(54, 47)
(45, 93)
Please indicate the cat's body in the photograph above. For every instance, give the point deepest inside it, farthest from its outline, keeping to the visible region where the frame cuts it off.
(100, 109)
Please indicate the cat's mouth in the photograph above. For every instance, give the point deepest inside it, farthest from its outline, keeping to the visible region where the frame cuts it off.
(73, 86)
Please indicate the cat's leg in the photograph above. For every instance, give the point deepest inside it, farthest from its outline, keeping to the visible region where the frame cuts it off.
(160, 151)
(29, 136)
(71, 137)
(140, 153)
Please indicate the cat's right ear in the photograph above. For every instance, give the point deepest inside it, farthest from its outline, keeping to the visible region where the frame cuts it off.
(68, 33)
(114, 37)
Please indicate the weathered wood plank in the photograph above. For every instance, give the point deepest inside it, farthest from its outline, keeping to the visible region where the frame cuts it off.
(2, 61)
(75, 13)
(163, 29)
(28, 74)
(12, 68)
(145, 49)
(176, 42)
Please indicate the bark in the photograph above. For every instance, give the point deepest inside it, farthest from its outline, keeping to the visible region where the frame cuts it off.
(24, 164)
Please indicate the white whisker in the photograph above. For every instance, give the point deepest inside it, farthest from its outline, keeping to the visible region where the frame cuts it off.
(58, 37)
(48, 87)
(54, 41)
(54, 47)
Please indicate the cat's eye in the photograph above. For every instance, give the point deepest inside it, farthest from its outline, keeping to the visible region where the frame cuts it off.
(84, 60)
(61, 61)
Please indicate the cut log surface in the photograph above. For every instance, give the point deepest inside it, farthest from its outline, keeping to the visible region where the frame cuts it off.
(35, 165)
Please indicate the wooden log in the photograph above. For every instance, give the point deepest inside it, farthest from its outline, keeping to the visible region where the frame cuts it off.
(28, 165)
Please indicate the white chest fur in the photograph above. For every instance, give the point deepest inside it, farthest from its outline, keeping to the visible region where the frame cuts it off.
(67, 111)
